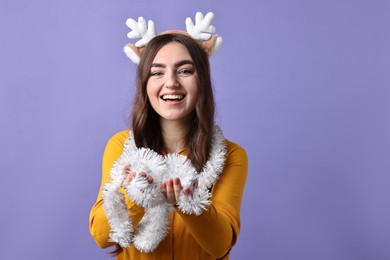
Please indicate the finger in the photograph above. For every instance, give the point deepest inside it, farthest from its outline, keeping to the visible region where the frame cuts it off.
(177, 188)
(170, 192)
(196, 184)
(126, 181)
(164, 188)
(149, 179)
(126, 168)
(187, 191)
(130, 176)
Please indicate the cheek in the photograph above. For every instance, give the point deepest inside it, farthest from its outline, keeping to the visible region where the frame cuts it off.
(150, 90)
(194, 97)
(194, 89)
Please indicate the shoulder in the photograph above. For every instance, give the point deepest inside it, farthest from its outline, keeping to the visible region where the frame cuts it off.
(235, 151)
(120, 137)
(117, 140)
(235, 156)
(114, 149)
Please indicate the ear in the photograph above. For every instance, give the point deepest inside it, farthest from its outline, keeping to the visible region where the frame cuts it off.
(133, 53)
(212, 45)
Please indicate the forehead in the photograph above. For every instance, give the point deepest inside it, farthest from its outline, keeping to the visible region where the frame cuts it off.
(172, 53)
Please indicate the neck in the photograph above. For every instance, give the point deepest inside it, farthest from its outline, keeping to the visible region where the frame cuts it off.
(174, 133)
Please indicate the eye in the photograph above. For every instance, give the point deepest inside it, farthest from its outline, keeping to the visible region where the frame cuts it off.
(156, 74)
(186, 72)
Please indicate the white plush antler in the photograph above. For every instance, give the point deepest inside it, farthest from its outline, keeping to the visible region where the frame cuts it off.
(139, 30)
(202, 29)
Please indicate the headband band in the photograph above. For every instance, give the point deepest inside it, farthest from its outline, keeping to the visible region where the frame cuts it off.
(202, 31)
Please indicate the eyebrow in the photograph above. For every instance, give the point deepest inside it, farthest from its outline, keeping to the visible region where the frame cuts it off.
(177, 64)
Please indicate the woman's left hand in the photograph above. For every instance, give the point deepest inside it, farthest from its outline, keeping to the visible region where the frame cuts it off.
(172, 188)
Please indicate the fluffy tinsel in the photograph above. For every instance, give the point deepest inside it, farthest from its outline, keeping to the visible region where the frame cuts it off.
(154, 225)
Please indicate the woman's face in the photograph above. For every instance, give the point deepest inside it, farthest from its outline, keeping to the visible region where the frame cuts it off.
(172, 86)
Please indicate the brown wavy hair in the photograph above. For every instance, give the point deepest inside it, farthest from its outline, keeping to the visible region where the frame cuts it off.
(145, 121)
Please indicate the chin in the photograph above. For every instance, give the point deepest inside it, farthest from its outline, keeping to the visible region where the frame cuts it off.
(175, 117)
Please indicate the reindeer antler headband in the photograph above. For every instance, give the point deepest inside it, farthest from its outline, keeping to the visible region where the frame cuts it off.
(201, 31)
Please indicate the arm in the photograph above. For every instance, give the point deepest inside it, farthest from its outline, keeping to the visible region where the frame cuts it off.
(98, 224)
(216, 230)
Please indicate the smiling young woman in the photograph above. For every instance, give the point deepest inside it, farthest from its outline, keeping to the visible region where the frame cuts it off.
(193, 212)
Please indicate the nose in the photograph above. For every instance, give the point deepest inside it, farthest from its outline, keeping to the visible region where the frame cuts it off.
(171, 81)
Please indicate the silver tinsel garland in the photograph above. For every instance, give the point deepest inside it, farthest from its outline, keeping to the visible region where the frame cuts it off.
(154, 225)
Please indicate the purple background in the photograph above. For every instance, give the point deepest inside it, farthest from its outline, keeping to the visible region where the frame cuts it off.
(303, 86)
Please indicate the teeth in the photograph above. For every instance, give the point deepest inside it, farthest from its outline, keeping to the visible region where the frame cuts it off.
(172, 97)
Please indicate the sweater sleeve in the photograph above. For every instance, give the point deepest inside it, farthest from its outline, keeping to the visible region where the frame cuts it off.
(98, 224)
(216, 229)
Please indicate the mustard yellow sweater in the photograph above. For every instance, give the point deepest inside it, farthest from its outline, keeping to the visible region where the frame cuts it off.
(208, 236)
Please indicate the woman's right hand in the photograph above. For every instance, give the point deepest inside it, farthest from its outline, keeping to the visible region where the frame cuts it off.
(131, 175)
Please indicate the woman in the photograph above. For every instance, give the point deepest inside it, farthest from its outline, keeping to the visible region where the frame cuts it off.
(173, 113)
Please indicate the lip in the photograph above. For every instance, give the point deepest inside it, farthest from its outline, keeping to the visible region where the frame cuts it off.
(173, 102)
(172, 93)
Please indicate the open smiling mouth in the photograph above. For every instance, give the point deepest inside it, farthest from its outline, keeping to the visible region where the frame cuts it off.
(173, 97)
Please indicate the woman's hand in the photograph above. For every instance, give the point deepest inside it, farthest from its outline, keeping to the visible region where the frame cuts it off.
(172, 188)
(131, 175)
